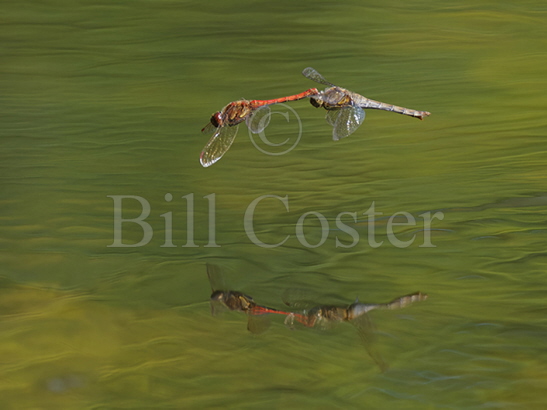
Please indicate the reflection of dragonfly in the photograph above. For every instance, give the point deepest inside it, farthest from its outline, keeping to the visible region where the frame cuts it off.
(256, 114)
(345, 108)
(325, 316)
(237, 301)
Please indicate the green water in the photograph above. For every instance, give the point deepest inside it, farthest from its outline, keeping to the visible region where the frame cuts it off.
(104, 99)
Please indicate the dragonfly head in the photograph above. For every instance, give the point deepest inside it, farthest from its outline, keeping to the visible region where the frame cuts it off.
(316, 103)
(217, 296)
(216, 119)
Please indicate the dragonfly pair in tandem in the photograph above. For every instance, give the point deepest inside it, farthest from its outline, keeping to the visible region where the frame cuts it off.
(345, 113)
(319, 316)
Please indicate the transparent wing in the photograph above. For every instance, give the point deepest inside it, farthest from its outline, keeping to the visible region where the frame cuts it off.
(366, 332)
(332, 115)
(217, 146)
(217, 283)
(312, 74)
(217, 308)
(326, 325)
(300, 298)
(258, 324)
(259, 120)
(215, 277)
(347, 121)
(209, 128)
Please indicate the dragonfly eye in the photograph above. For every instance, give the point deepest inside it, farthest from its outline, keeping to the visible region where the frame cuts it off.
(217, 296)
(216, 119)
(316, 103)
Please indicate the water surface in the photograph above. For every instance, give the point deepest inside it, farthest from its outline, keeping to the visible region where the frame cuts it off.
(107, 98)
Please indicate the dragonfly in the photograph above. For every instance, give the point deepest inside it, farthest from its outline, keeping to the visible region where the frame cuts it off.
(224, 123)
(222, 299)
(345, 109)
(326, 316)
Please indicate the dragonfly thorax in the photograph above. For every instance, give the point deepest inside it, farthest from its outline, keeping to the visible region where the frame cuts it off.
(233, 300)
(329, 313)
(335, 97)
(235, 112)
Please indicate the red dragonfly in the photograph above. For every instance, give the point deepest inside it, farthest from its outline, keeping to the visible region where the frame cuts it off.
(237, 301)
(328, 315)
(224, 123)
(345, 108)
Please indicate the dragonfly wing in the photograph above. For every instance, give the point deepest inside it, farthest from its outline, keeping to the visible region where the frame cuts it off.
(300, 298)
(326, 325)
(332, 115)
(258, 323)
(347, 121)
(217, 308)
(366, 332)
(259, 120)
(209, 128)
(215, 277)
(217, 146)
(217, 283)
(312, 74)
